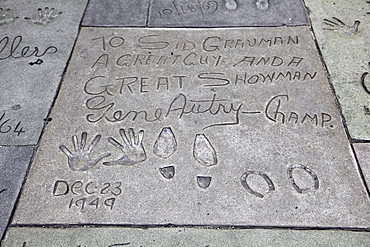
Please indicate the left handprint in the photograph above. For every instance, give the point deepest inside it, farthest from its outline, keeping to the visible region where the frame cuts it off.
(80, 160)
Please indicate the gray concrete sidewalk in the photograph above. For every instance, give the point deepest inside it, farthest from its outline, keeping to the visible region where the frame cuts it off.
(184, 123)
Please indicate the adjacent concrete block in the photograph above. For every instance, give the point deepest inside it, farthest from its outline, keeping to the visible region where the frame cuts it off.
(119, 13)
(195, 127)
(223, 13)
(36, 40)
(363, 155)
(109, 237)
(342, 30)
(13, 165)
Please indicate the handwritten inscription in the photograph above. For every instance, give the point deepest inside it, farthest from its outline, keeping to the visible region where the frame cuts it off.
(209, 44)
(142, 85)
(189, 8)
(90, 194)
(13, 48)
(7, 125)
(181, 107)
(156, 51)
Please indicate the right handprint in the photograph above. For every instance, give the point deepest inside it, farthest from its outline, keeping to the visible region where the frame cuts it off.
(132, 148)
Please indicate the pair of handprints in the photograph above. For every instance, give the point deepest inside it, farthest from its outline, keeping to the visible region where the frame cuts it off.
(133, 150)
(44, 16)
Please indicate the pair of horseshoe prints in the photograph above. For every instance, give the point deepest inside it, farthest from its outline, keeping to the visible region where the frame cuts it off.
(134, 152)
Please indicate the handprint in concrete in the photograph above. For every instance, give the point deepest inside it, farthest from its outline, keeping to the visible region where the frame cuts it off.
(80, 160)
(339, 26)
(132, 148)
(44, 16)
(5, 16)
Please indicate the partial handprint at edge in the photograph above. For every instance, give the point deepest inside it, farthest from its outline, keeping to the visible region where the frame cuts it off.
(133, 149)
(339, 26)
(80, 160)
(44, 16)
(5, 18)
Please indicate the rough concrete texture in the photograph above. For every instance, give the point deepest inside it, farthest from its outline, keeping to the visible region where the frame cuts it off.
(36, 40)
(119, 13)
(223, 13)
(342, 30)
(13, 166)
(198, 126)
(363, 155)
(109, 237)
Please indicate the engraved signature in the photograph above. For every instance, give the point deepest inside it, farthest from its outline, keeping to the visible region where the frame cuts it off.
(12, 49)
(181, 107)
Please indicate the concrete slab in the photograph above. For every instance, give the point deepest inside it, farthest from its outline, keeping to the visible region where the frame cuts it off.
(342, 32)
(223, 13)
(35, 43)
(13, 165)
(195, 127)
(363, 155)
(109, 237)
(119, 13)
